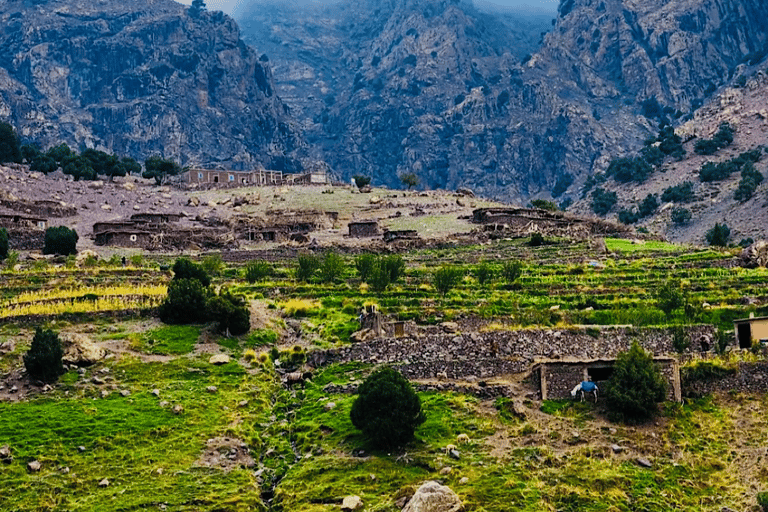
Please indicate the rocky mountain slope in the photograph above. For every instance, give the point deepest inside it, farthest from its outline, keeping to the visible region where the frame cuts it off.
(140, 78)
(438, 88)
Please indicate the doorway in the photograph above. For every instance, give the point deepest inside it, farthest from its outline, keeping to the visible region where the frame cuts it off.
(744, 332)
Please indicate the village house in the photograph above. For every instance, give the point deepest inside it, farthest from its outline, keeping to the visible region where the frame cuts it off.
(751, 330)
(363, 228)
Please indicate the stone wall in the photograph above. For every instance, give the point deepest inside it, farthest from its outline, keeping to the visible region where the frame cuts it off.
(749, 378)
(488, 354)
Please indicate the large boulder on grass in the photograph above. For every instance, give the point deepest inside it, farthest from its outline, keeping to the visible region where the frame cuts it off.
(756, 255)
(433, 497)
(80, 350)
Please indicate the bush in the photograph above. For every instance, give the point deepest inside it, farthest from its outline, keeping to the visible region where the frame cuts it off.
(723, 138)
(543, 204)
(184, 268)
(670, 143)
(750, 179)
(511, 271)
(387, 409)
(213, 265)
(681, 216)
(682, 193)
(446, 278)
(10, 150)
(636, 386)
(186, 302)
(410, 179)
(649, 206)
(561, 185)
(680, 340)
(603, 201)
(537, 240)
(628, 216)
(625, 170)
(670, 297)
(257, 271)
(361, 181)
(378, 278)
(158, 169)
(3, 243)
(60, 240)
(231, 312)
(43, 164)
(718, 235)
(307, 265)
(762, 500)
(394, 265)
(43, 359)
(332, 267)
(484, 273)
(364, 264)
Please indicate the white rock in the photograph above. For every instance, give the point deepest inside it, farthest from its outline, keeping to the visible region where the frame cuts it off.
(433, 497)
(352, 503)
(219, 359)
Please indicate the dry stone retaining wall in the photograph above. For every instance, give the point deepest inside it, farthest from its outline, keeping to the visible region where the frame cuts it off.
(490, 354)
(750, 378)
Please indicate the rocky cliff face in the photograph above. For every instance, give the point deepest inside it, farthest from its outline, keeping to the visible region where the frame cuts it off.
(140, 78)
(438, 87)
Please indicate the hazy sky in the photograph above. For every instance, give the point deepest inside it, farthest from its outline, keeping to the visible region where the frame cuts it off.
(229, 6)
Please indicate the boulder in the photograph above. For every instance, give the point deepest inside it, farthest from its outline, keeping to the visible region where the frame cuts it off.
(362, 335)
(433, 497)
(33, 466)
(80, 350)
(82, 255)
(352, 503)
(756, 255)
(219, 359)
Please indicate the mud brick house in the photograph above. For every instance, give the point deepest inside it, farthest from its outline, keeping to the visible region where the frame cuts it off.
(125, 238)
(751, 330)
(404, 234)
(525, 221)
(156, 218)
(223, 178)
(363, 229)
(18, 221)
(557, 377)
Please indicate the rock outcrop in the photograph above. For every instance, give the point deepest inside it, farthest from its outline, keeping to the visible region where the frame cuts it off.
(433, 497)
(140, 78)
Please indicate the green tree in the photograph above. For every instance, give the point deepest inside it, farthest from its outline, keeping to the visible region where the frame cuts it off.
(231, 312)
(681, 216)
(197, 7)
(446, 278)
(484, 273)
(306, 266)
(364, 264)
(257, 271)
(387, 409)
(511, 271)
(603, 201)
(3, 243)
(60, 240)
(44, 164)
(378, 278)
(670, 298)
(636, 386)
(394, 266)
(158, 168)
(10, 149)
(332, 267)
(184, 268)
(361, 181)
(213, 265)
(79, 167)
(43, 359)
(410, 180)
(186, 302)
(130, 165)
(29, 152)
(718, 235)
(59, 154)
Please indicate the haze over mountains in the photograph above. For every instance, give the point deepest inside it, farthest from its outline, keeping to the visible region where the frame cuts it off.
(504, 101)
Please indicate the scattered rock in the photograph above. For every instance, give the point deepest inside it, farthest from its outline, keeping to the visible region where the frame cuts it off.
(125, 392)
(212, 389)
(352, 503)
(616, 448)
(464, 480)
(756, 255)
(446, 470)
(643, 462)
(104, 393)
(454, 454)
(33, 466)
(104, 483)
(433, 497)
(177, 409)
(65, 470)
(81, 449)
(465, 192)
(330, 406)
(219, 359)
(83, 255)
(156, 392)
(106, 207)
(79, 350)
(450, 327)
(193, 201)
(362, 335)
(5, 454)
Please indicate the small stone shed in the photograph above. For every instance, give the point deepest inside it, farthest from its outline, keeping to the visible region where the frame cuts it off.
(225, 178)
(750, 330)
(363, 228)
(124, 238)
(156, 218)
(557, 377)
(15, 220)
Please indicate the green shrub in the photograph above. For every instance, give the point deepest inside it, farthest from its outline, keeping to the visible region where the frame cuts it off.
(231, 312)
(257, 271)
(543, 204)
(379, 277)
(681, 216)
(410, 179)
(680, 340)
(364, 264)
(718, 235)
(484, 273)
(10, 150)
(636, 386)
(682, 193)
(762, 500)
(670, 297)
(511, 271)
(60, 240)
(704, 371)
(537, 240)
(387, 409)
(625, 170)
(446, 278)
(361, 181)
(184, 268)
(306, 266)
(261, 337)
(332, 267)
(43, 359)
(3, 243)
(213, 265)
(186, 302)
(603, 201)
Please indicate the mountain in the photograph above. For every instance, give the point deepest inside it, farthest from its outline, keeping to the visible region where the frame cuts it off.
(141, 78)
(386, 87)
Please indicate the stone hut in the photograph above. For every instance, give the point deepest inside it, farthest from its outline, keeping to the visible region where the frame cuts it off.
(156, 218)
(404, 234)
(751, 330)
(124, 238)
(16, 220)
(226, 178)
(557, 377)
(363, 229)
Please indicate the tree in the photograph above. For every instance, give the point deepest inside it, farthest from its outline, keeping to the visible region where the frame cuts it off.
(306, 266)
(364, 264)
(446, 278)
(130, 165)
(361, 181)
(44, 164)
(719, 235)
(387, 409)
(257, 271)
(79, 167)
(43, 359)
(60, 240)
(681, 216)
(59, 153)
(158, 169)
(231, 312)
(669, 298)
(410, 179)
(511, 271)
(186, 302)
(198, 6)
(29, 152)
(3, 243)
(332, 267)
(10, 150)
(484, 273)
(636, 386)
(184, 268)
(603, 201)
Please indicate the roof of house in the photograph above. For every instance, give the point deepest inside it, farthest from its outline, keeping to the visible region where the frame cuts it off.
(747, 320)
